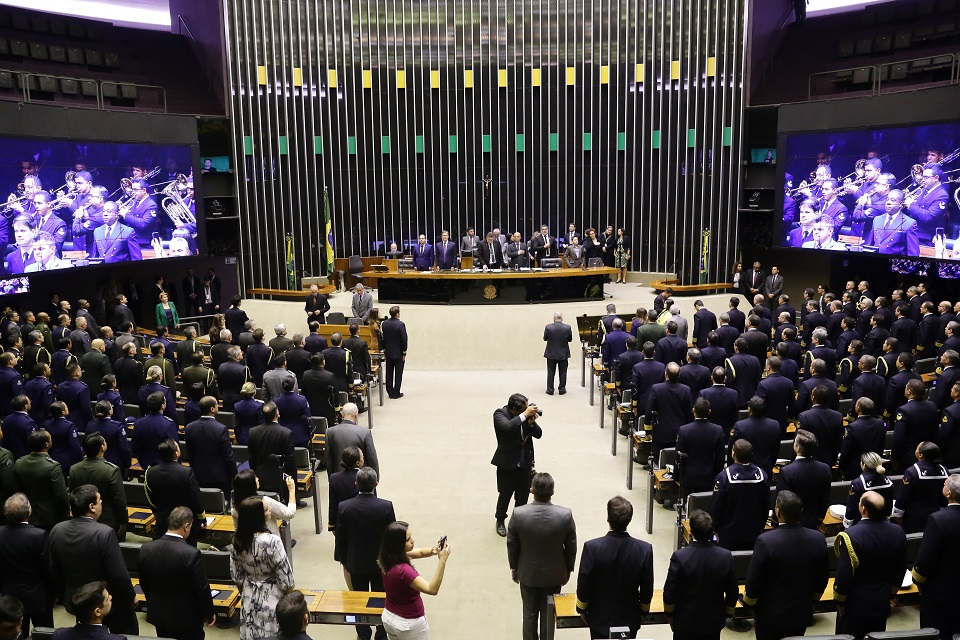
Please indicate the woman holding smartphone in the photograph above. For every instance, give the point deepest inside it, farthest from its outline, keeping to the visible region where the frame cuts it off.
(403, 616)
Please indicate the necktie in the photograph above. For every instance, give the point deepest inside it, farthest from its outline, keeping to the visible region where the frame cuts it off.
(491, 253)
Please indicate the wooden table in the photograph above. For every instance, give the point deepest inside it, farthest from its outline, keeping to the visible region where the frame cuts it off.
(289, 294)
(489, 287)
(346, 607)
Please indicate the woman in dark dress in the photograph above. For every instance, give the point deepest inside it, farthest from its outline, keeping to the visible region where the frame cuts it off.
(592, 247)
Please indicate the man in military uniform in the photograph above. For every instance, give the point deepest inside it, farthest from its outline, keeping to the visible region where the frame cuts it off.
(700, 445)
(646, 373)
(915, 422)
(788, 573)
(872, 558)
(741, 500)
(106, 477)
(825, 424)
(808, 478)
(615, 583)
(40, 477)
(743, 372)
(668, 407)
(151, 430)
(158, 358)
(871, 204)
(11, 382)
(142, 214)
(337, 361)
(701, 586)
(195, 372)
(938, 564)
(929, 206)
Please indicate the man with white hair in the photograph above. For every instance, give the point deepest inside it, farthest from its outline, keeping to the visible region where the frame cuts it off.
(281, 343)
(316, 306)
(361, 304)
(558, 336)
(218, 352)
(349, 434)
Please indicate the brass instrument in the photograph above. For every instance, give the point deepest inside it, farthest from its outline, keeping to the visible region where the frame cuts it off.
(796, 192)
(13, 207)
(950, 157)
(173, 204)
(66, 195)
(859, 168)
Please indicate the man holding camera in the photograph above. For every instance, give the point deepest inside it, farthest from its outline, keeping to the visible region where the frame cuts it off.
(515, 426)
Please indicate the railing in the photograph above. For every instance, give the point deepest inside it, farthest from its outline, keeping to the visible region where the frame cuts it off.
(877, 75)
(26, 80)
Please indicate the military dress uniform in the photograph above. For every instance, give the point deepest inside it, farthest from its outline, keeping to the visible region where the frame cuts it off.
(935, 572)
(915, 422)
(41, 478)
(106, 477)
(741, 504)
(869, 480)
(149, 431)
(700, 591)
(920, 495)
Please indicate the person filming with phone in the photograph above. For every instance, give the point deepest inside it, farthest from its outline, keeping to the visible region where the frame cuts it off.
(515, 426)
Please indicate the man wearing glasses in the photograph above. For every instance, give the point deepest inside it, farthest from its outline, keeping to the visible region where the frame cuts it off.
(929, 206)
(142, 213)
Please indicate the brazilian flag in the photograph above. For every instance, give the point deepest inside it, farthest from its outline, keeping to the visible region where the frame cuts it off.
(329, 230)
(704, 255)
(291, 265)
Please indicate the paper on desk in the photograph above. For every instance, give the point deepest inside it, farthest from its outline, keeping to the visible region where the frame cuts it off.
(210, 520)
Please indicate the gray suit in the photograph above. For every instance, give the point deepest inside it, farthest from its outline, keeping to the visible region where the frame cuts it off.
(361, 308)
(348, 434)
(558, 336)
(541, 549)
(273, 383)
(682, 327)
(574, 256)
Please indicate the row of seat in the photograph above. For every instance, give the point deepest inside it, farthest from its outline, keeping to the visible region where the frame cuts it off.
(898, 71)
(46, 24)
(20, 48)
(888, 43)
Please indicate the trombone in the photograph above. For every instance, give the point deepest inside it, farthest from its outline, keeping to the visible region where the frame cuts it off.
(797, 191)
(66, 195)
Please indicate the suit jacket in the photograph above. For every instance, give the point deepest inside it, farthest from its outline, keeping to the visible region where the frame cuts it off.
(743, 375)
(773, 285)
(757, 344)
(671, 348)
(231, 376)
(361, 522)
(81, 551)
(724, 405)
(862, 435)
(514, 440)
(542, 544)
(764, 435)
(298, 362)
(810, 479)
(695, 376)
(700, 444)
(121, 246)
(143, 219)
(543, 248)
(672, 403)
(17, 263)
(271, 455)
(170, 485)
(574, 256)
(258, 356)
(788, 550)
(896, 235)
(360, 305)
(446, 256)
(343, 486)
(348, 434)
(558, 336)
(752, 280)
(108, 480)
(295, 415)
(208, 444)
(484, 261)
(778, 393)
(423, 256)
(17, 426)
(234, 319)
(175, 584)
(123, 313)
(880, 548)
(700, 589)
(646, 373)
(827, 425)
(337, 361)
(320, 389)
(704, 321)
(26, 562)
(359, 355)
(514, 256)
(938, 559)
(469, 245)
(218, 354)
(314, 343)
(148, 432)
(615, 581)
(394, 343)
(86, 632)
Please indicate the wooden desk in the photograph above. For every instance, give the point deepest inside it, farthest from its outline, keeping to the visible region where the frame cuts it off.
(365, 332)
(289, 294)
(225, 602)
(928, 377)
(597, 371)
(140, 521)
(660, 285)
(479, 287)
(346, 607)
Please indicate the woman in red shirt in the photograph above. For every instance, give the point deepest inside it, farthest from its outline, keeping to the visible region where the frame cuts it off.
(403, 617)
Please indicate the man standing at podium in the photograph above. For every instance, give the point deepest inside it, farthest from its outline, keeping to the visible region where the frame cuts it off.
(422, 254)
(446, 252)
(470, 243)
(491, 253)
(543, 245)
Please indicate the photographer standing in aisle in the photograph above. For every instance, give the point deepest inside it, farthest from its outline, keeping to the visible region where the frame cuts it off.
(515, 426)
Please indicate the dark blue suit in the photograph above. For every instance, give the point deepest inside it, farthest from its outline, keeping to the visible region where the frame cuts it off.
(295, 415)
(936, 568)
(743, 375)
(701, 445)
(778, 392)
(700, 590)
(869, 385)
(671, 348)
(949, 437)
(394, 345)
(863, 435)
(258, 357)
(806, 388)
(118, 448)
(40, 391)
(86, 632)
(149, 431)
(672, 403)
(211, 455)
(914, 422)
(809, 479)
(26, 575)
(121, 246)
(711, 356)
(728, 335)
(247, 414)
(695, 376)
(342, 487)
(895, 387)
(446, 257)
(764, 435)
(423, 257)
(646, 373)
(704, 321)
(171, 409)
(614, 344)
(724, 405)
(827, 425)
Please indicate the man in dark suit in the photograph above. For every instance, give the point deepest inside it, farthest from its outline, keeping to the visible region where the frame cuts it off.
(613, 343)
(40, 477)
(151, 430)
(937, 564)
(446, 252)
(26, 561)
(757, 341)
(116, 242)
(701, 587)
(320, 389)
(625, 363)
(129, 372)
(394, 347)
(671, 347)
(235, 318)
(359, 352)
(743, 372)
(728, 333)
(772, 287)
(788, 572)
(515, 427)
(693, 374)
(948, 376)
(808, 478)
(558, 336)
(336, 360)
(724, 403)
(897, 384)
(761, 432)
(927, 332)
(752, 282)
(82, 551)
(826, 425)
(543, 245)
(615, 582)
(349, 434)
(18, 425)
(142, 214)
(314, 342)
(862, 591)
(174, 582)
(258, 357)
(668, 408)
(298, 358)
(704, 321)
(316, 306)
(170, 485)
(219, 351)
(271, 452)
(491, 253)
(361, 522)
(343, 483)
(190, 285)
(646, 373)
(231, 376)
(818, 379)
(423, 256)
(777, 392)
(700, 446)
(209, 445)
(541, 549)
(865, 434)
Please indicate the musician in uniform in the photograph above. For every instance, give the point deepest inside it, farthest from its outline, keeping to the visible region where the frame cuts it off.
(47, 222)
(141, 216)
(871, 204)
(45, 254)
(893, 232)
(83, 183)
(115, 242)
(24, 233)
(823, 236)
(832, 206)
(23, 204)
(87, 218)
(815, 190)
(929, 206)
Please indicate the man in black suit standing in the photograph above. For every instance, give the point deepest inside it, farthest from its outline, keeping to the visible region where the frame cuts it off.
(788, 573)
(26, 561)
(558, 336)
(491, 253)
(361, 522)
(937, 564)
(700, 445)
(772, 287)
(704, 321)
(234, 319)
(231, 376)
(271, 452)
(615, 583)
(82, 551)
(809, 479)
(170, 485)
(191, 293)
(752, 282)
(316, 306)
(209, 446)
(320, 389)
(668, 407)
(174, 582)
(394, 347)
(515, 426)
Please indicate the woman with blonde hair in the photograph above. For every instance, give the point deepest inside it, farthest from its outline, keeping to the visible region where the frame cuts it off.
(872, 478)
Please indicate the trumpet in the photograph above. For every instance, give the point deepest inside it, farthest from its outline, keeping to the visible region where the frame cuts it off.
(796, 191)
(173, 204)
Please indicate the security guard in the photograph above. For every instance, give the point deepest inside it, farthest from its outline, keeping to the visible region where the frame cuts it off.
(938, 563)
(40, 477)
(872, 558)
(106, 477)
(922, 490)
(916, 421)
(152, 429)
(701, 586)
(741, 500)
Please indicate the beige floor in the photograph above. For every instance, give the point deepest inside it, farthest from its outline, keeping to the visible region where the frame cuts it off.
(435, 446)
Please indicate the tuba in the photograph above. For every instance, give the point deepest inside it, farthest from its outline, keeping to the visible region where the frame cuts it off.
(173, 204)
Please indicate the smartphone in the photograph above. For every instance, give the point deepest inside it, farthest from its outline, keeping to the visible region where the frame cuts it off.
(286, 477)
(443, 542)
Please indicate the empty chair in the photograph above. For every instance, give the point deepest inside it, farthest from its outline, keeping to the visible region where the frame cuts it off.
(336, 317)
(863, 47)
(901, 40)
(863, 75)
(111, 60)
(21, 21)
(925, 365)
(355, 267)
(40, 24)
(845, 49)
(38, 51)
(741, 563)
(93, 57)
(76, 30)
(241, 453)
(109, 90)
(128, 92)
(595, 262)
(136, 494)
(48, 84)
(882, 44)
(69, 86)
(58, 54)
(19, 48)
(6, 80)
(58, 27)
(898, 72)
(216, 564)
(88, 88)
(131, 555)
(213, 500)
(75, 55)
(4, 47)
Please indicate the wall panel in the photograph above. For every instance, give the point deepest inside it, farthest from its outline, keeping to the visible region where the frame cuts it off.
(423, 115)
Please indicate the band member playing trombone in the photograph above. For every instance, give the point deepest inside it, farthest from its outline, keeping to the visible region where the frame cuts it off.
(21, 203)
(872, 204)
(894, 233)
(927, 204)
(83, 182)
(140, 213)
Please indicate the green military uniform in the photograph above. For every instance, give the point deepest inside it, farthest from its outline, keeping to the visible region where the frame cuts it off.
(205, 376)
(7, 481)
(165, 365)
(41, 478)
(106, 477)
